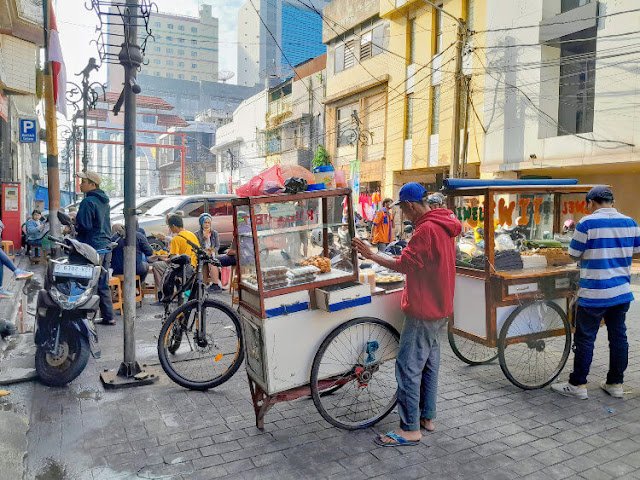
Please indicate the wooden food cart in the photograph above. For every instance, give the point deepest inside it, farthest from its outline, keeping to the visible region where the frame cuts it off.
(309, 326)
(514, 278)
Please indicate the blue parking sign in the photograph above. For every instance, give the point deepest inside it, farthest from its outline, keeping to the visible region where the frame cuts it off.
(28, 130)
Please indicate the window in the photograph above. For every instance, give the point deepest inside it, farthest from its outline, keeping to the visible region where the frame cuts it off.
(194, 42)
(157, 74)
(170, 62)
(181, 64)
(181, 76)
(411, 53)
(194, 65)
(567, 5)
(435, 110)
(169, 38)
(169, 50)
(438, 24)
(338, 60)
(181, 40)
(378, 40)
(344, 120)
(181, 28)
(408, 121)
(365, 45)
(194, 30)
(219, 207)
(149, 119)
(577, 86)
(194, 54)
(194, 78)
(192, 209)
(170, 26)
(158, 49)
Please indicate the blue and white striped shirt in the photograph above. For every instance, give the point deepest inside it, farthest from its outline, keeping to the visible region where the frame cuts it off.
(605, 242)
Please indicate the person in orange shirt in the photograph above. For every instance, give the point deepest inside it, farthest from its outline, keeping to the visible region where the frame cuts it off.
(382, 232)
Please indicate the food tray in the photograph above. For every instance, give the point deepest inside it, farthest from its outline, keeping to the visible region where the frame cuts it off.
(389, 278)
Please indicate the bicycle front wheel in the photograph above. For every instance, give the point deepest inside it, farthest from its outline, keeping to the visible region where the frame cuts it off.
(196, 361)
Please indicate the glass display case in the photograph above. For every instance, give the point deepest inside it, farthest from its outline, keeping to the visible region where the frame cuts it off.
(293, 242)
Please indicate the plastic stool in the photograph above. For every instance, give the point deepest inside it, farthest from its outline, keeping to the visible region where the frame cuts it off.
(115, 285)
(9, 248)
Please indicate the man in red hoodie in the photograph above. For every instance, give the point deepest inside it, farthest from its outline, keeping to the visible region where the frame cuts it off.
(429, 264)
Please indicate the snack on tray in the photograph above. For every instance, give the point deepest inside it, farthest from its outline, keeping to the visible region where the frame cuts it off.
(300, 275)
(389, 278)
(556, 257)
(323, 263)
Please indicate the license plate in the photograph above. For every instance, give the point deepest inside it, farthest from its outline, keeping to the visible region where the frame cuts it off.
(78, 271)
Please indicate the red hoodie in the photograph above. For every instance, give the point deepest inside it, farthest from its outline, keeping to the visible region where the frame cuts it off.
(429, 261)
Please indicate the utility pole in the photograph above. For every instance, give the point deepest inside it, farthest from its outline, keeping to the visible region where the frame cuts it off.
(51, 127)
(130, 57)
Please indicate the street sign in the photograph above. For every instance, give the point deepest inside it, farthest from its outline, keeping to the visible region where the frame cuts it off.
(28, 130)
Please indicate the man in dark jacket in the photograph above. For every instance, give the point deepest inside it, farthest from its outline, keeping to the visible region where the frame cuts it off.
(143, 251)
(93, 225)
(428, 261)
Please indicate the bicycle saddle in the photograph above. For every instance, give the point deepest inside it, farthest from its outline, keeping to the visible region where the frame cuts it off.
(181, 260)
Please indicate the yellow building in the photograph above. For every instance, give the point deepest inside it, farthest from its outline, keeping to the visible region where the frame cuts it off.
(421, 94)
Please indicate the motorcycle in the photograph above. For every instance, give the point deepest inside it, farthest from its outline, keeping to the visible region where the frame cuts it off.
(66, 307)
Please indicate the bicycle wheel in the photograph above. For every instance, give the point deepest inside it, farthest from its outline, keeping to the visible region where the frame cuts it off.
(470, 352)
(358, 359)
(195, 363)
(534, 344)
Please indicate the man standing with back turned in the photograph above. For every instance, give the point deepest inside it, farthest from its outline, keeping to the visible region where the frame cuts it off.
(429, 262)
(604, 244)
(93, 224)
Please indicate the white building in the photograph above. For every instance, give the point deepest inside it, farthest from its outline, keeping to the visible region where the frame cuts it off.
(562, 92)
(238, 147)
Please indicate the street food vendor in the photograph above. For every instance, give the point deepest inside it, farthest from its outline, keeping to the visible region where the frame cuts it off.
(427, 301)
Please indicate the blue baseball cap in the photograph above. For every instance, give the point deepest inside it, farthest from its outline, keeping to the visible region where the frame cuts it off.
(600, 193)
(411, 192)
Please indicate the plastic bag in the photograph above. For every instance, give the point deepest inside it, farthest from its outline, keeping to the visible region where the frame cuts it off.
(270, 180)
(295, 185)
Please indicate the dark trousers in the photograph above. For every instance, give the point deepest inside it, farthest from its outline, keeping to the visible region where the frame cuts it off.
(587, 325)
(106, 306)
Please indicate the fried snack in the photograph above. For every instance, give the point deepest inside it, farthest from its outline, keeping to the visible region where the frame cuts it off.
(322, 263)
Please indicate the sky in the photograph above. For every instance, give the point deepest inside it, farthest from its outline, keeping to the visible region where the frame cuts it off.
(77, 26)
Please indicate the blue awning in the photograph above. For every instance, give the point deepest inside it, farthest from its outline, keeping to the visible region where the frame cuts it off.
(456, 183)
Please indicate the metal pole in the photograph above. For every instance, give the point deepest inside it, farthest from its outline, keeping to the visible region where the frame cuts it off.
(52, 131)
(182, 166)
(85, 107)
(465, 146)
(455, 130)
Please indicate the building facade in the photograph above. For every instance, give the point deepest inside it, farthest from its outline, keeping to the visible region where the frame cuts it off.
(295, 116)
(301, 31)
(21, 37)
(182, 47)
(421, 96)
(360, 70)
(561, 97)
(238, 149)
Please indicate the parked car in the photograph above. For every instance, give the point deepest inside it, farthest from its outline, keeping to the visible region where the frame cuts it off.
(142, 206)
(190, 207)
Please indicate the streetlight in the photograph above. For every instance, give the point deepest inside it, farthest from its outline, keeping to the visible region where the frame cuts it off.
(70, 135)
(87, 94)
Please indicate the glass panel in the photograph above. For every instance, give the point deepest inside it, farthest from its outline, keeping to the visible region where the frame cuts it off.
(193, 209)
(219, 208)
(246, 256)
(524, 232)
(292, 235)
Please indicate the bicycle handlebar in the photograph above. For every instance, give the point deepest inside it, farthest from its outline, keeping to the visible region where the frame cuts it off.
(200, 252)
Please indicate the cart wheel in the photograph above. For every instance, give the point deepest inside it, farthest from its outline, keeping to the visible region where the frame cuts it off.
(470, 352)
(534, 344)
(359, 359)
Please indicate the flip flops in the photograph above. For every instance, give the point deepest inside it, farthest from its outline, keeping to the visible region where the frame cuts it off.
(398, 441)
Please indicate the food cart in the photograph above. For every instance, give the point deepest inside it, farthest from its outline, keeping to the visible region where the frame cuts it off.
(309, 326)
(514, 278)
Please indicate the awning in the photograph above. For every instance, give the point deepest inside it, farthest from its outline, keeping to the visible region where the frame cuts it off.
(455, 183)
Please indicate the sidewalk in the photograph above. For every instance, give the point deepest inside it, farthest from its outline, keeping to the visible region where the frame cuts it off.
(486, 428)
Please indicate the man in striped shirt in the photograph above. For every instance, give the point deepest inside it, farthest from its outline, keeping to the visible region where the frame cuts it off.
(604, 244)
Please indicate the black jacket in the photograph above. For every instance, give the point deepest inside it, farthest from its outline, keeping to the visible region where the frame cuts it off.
(143, 250)
(93, 223)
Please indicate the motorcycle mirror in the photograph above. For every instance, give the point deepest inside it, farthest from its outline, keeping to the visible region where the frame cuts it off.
(64, 219)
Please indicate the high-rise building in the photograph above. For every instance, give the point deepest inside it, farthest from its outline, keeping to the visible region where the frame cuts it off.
(274, 35)
(184, 48)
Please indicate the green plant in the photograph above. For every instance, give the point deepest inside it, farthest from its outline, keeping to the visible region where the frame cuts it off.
(321, 157)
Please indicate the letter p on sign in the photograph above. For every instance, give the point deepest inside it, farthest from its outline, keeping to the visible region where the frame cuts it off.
(28, 130)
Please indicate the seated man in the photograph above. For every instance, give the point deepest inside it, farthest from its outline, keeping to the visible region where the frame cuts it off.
(143, 251)
(178, 246)
(35, 229)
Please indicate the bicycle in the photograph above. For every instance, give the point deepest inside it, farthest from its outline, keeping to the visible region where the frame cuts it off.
(200, 345)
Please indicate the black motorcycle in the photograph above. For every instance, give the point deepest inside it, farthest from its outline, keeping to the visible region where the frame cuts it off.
(65, 334)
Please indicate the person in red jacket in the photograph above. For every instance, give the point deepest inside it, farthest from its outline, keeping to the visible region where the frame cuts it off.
(428, 262)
